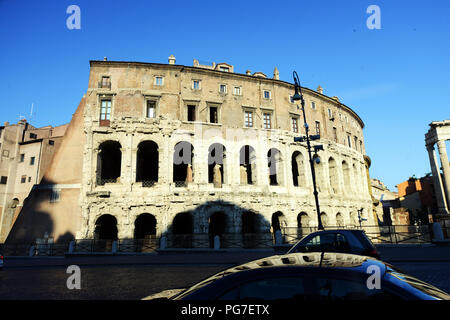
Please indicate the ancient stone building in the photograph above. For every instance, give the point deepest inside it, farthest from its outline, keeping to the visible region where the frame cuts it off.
(172, 149)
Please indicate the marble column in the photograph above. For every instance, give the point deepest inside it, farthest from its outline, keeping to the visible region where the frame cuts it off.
(437, 182)
(445, 167)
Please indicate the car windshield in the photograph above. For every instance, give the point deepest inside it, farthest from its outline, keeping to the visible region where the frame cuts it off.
(416, 283)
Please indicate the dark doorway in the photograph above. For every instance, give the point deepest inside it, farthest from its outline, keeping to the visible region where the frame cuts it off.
(248, 161)
(147, 163)
(217, 226)
(216, 155)
(109, 162)
(105, 233)
(182, 158)
(145, 226)
(182, 227)
(249, 229)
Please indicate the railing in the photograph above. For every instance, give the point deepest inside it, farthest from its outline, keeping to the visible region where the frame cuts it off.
(102, 182)
(148, 183)
(180, 184)
(92, 245)
(138, 245)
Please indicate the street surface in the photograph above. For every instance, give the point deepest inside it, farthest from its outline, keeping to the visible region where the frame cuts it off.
(115, 279)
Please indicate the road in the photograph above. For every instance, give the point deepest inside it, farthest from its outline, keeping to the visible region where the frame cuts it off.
(136, 281)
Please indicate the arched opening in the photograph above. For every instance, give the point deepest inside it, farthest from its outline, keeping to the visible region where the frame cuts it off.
(183, 156)
(339, 220)
(145, 233)
(274, 161)
(247, 161)
(353, 219)
(250, 227)
(145, 226)
(147, 163)
(324, 219)
(217, 226)
(106, 228)
(303, 222)
(182, 226)
(298, 169)
(346, 174)
(216, 164)
(109, 161)
(333, 175)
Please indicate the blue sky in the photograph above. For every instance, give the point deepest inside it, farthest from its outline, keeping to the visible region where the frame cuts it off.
(397, 78)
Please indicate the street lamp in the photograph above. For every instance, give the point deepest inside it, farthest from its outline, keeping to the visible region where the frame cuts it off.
(299, 96)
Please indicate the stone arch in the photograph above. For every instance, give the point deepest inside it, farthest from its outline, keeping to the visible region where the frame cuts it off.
(303, 224)
(298, 169)
(275, 164)
(250, 222)
(217, 164)
(339, 220)
(106, 228)
(346, 174)
(109, 162)
(182, 223)
(324, 219)
(333, 175)
(247, 165)
(147, 163)
(183, 156)
(145, 226)
(278, 221)
(353, 218)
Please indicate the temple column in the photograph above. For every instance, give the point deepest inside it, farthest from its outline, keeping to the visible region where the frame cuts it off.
(437, 182)
(445, 167)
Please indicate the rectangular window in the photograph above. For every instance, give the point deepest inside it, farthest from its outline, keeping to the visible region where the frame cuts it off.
(105, 112)
(313, 105)
(224, 69)
(191, 113)
(335, 134)
(32, 161)
(29, 179)
(159, 81)
(267, 122)
(318, 127)
(3, 180)
(213, 118)
(360, 146)
(356, 142)
(51, 142)
(5, 153)
(237, 91)
(349, 140)
(248, 119)
(33, 135)
(295, 125)
(196, 84)
(330, 114)
(23, 179)
(105, 83)
(266, 94)
(223, 88)
(22, 157)
(151, 109)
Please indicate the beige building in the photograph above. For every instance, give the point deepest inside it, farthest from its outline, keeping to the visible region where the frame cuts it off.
(26, 152)
(165, 149)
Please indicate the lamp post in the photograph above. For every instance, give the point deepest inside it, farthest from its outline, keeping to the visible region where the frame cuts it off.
(299, 96)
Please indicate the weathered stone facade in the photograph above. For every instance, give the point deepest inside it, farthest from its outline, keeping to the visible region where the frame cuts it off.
(129, 103)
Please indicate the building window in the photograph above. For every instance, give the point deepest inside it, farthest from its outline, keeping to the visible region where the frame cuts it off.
(196, 84)
(213, 115)
(191, 113)
(22, 157)
(267, 121)
(55, 195)
(224, 69)
(349, 140)
(105, 112)
(360, 146)
(151, 109)
(32, 159)
(318, 127)
(159, 80)
(29, 179)
(33, 135)
(223, 88)
(237, 91)
(23, 179)
(248, 119)
(105, 83)
(330, 114)
(294, 122)
(266, 94)
(335, 134)
(313, 105)
(3, 180)
(356, 142)
(51, 142)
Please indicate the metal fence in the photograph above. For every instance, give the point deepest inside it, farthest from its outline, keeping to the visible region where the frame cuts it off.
(397, 234)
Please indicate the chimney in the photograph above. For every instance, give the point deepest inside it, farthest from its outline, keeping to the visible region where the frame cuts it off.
(105, 59)
(320, 89)
(172, 59)
(276, 74)
(248, 72)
